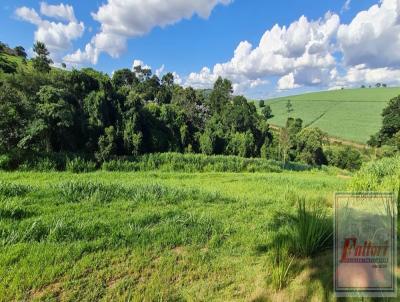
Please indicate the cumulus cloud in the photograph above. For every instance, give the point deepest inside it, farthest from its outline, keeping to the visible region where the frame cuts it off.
(373, 36)
(123, 19)
(361, 74)
(57, 36)
(61, 11)
(302, 52)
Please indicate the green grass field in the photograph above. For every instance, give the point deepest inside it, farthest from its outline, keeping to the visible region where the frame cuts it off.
(155, 236)
(350, 114)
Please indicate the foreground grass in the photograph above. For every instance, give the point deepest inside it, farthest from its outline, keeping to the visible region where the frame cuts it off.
(156, 236)
(351, 114)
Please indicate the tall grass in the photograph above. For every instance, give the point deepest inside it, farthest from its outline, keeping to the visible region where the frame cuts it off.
(281, 263)
(311, 230)
(12, 190)
(380, 175)
(177, 162)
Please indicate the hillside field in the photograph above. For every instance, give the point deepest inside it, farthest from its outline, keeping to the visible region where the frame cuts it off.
(350, 114)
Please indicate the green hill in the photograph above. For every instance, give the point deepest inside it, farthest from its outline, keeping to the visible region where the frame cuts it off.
(350, 114)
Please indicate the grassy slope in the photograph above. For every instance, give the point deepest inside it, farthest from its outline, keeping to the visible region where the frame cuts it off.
(18, 61)
(207, 245)
(351, 114)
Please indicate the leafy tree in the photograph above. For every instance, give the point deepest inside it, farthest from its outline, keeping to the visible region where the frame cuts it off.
(124, 77)
(261, 103)
(55, 115)
(42, 61)
(344, 157)
(390, 125)
(221, 95)
(20, 51)
(378, 85)
(267, 112)
(14, 117)
(309, 144)
(107, 144)
(289, 107)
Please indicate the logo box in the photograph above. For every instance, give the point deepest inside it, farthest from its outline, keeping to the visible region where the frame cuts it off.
(365, 245)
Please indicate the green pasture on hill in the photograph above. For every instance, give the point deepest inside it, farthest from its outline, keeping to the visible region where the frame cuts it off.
(350, 114)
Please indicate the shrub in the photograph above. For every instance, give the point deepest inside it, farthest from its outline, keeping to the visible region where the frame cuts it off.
(79, 165)
(5, 162)
(344, 157)
(311, 231)
(380, 175)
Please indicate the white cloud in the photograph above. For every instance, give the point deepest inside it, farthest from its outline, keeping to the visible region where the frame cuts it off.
(61, 11)
(177, 79)
(160, 71)
(287, 82)
(137, 63)
(373, 37)
(346, 6)
(305, 47)
(362, 75)
(123, 19)
(57, 36)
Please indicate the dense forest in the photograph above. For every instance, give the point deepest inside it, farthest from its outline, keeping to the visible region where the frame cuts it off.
(49, 112)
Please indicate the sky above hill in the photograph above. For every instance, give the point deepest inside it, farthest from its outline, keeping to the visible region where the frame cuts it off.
(266, 48)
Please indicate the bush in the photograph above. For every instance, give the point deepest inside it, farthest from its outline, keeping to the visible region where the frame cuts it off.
(5, 162)
(79, 165)
(261, 103)
(380, 175)
(344, 158)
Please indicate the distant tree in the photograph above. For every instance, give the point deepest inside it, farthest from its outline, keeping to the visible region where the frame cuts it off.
(309, 144)
(378, 85)
(2, 46)
(42, 61)
(107, 144)
(20, 51)
(63, 65)
(390, 124)
(362, 86)
(123, 77)
(261, 103)
(267, 112)
(289, 107)
(384, 85)
(220, 95)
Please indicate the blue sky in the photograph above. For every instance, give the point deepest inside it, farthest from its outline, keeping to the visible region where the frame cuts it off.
(185, 38)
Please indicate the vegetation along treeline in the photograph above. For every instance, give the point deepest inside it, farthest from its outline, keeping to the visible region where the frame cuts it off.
(52, 117)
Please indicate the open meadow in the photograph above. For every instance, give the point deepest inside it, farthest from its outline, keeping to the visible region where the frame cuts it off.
(169, 236)
(350, 114)
(156, 236)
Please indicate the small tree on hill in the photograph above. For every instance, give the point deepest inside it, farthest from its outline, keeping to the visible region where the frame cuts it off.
(42, 61)
(289, 107)
(20, 51)
(267, 112)
(261, 104)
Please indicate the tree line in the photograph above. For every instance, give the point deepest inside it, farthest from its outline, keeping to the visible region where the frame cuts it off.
(47, 111)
